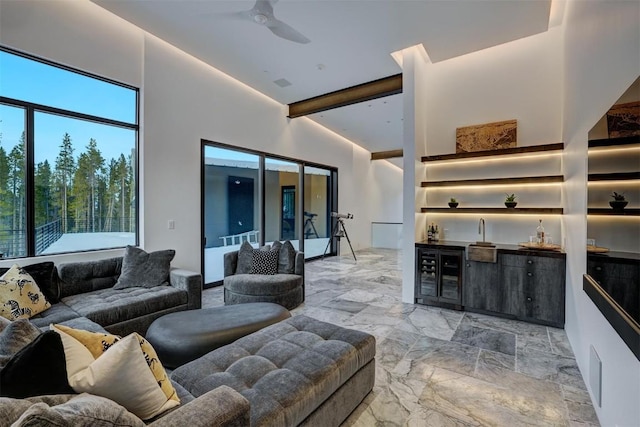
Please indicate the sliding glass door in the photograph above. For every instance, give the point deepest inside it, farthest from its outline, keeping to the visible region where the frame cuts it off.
(251, 196)
(230, 205)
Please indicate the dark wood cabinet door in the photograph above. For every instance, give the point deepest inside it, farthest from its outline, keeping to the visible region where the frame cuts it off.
(482, 288)
(512, 281)
(545, 292)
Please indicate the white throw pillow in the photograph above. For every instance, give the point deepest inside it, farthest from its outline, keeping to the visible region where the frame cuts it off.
(122, 375)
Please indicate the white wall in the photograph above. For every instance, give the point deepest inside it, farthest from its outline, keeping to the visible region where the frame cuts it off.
(518, 80)
(602, 59)
(182, 101)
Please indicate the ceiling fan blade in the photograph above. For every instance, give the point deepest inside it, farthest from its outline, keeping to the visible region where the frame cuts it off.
(285, 31)
(244, 15)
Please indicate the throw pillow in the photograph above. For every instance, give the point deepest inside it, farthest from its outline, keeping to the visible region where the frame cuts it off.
(265, 262)
(15, 336)
(245, 259)
(20, 297)
(142, 269)
(287, 258)
(37, 369)
(42, 273)
(84, 410)
(83, 347)
(122, 374)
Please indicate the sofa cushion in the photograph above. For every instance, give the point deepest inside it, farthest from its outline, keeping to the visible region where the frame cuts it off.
(79, 277)
(255, 284)
(83, 410)
(14, 337)
(20, 296)
(57, 313)
(110, 306)
(37, 369)
(285, 370)
(42, 273)
(140, 268)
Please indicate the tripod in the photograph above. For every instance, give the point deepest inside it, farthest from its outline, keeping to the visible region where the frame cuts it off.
(310, 228)
(339, 231)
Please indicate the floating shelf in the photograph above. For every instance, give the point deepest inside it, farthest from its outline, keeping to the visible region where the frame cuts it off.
(612, 142)
(495, 181)
(513, 211)
(495, 153)
(611, 212)
(616, 176)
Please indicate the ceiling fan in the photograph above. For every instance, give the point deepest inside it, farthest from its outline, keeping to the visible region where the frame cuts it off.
(262, 14)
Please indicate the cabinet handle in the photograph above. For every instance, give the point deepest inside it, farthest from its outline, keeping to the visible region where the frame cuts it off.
(529, 261)
(530, 274)
(529, 299)
(598, 268)
(468, 265)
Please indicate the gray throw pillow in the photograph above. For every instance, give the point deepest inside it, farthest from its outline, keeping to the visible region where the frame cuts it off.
(83, 410)
(287, 258)
(14, 337)
(142, 269)
(245, 259)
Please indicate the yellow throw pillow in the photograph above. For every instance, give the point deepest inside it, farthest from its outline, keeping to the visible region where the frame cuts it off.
(97, 343)
(20, 296)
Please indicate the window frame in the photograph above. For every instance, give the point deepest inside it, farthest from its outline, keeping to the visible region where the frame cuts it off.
(31, 109)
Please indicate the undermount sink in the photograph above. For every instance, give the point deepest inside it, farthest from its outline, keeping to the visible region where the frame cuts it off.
(483, 252)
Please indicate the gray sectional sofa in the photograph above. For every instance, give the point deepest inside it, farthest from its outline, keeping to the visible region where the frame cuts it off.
(86, 290)
(300, 371)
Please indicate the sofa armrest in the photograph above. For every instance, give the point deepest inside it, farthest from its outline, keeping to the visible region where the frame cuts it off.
(299, 264)
(222, 406)
(230, 263)
(189, 281)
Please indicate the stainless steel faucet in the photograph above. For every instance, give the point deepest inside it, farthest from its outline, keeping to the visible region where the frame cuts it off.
(481, 228)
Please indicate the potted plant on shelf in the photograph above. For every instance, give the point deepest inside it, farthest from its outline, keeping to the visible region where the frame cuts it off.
(619, 202)
(453, 203)
(510, 201)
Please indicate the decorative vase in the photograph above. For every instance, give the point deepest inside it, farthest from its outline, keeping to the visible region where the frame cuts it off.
(510, 204)
(618, 205)
(453, 204)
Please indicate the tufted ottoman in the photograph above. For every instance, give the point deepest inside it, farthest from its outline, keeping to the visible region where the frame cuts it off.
(181, 337)
(298, 371)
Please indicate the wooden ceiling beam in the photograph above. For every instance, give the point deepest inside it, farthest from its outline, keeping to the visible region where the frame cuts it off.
(386, 86)
(382, 155)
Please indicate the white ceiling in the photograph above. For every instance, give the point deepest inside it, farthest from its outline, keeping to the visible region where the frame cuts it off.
(351, 43)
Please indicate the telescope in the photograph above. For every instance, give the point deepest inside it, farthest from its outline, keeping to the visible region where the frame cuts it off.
(309, 214)
(340, 215)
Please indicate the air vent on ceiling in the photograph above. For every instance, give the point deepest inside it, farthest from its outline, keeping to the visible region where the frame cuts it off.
(282, 82)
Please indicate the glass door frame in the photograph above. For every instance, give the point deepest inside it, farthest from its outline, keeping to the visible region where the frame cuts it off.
(333, 200)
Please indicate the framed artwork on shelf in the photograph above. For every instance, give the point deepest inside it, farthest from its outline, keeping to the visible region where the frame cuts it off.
(488, 136)
(624, 120)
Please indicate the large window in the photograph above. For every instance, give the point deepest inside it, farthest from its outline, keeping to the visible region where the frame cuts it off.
(68, 159)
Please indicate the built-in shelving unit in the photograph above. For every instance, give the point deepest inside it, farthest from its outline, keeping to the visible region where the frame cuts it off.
(605, 211)
(495, 181)
(493, 153)
(516, 152)
(614, 143)
(512, 211)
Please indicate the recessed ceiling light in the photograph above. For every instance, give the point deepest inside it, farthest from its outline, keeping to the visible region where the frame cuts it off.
(320, 67)
(282, 82)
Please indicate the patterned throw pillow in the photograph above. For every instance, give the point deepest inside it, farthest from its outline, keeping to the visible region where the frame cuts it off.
(20, 297)
(83, 347)
(265, 262)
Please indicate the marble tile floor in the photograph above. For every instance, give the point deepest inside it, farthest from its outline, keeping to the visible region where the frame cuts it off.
(439, 367)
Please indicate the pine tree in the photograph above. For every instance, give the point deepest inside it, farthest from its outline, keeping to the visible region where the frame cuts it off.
(16, 163)
(65, 170)
(43, 202)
